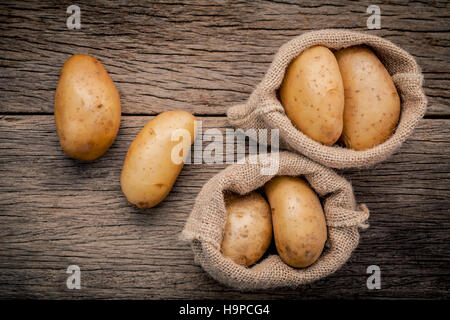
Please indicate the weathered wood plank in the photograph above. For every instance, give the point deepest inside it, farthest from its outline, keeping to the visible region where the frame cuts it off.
(56, 211)
(200, 56)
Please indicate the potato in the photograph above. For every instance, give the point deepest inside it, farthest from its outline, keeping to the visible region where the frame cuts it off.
(149, 170)
(312, 95)
(298, 220)
(372, 104)
(87, 108)
(248, 230)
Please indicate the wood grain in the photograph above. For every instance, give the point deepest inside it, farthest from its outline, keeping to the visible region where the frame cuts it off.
(56, 211)
(200, 56)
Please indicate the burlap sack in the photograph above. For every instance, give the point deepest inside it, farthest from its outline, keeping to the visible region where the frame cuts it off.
(264, 110)
(205, 226)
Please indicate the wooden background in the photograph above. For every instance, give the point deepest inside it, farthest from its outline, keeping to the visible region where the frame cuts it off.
(200, 56)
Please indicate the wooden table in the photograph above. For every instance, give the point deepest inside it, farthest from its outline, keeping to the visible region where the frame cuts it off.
(203, 57)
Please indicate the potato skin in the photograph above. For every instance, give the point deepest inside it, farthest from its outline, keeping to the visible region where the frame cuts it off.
(372, 104)
(148, 172)
(312, 95)
(248, 230)
(87, 108)
(298, 220)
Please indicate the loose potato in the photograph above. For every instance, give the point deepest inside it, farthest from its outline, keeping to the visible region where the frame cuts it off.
(298, 220)
(372, 104)
(150, 169)
(87, 108)
(312, 95)
(248, 230)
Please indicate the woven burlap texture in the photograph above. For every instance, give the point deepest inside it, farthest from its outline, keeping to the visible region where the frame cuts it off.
(205, 225)
(264, 110)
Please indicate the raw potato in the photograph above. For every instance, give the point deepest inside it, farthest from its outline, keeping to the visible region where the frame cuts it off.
(149, 172)
(299, 224)
(372, 104)
(312, 95)
(87, 108)
(248, 230)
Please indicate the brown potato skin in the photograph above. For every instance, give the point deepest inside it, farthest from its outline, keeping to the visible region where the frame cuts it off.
(248, 230)
(372, 104)
(312, 95)
(298, 220)
(148, 172)
(87, 108)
